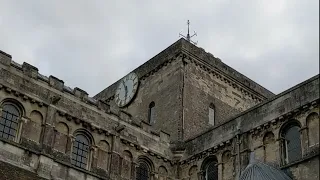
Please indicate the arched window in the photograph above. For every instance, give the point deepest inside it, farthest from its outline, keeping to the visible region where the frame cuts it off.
(143, 172)
(144, 169)
(291, 143)
(212, 114)
(212, 171)
(210, 168)
(9, 122)
(81, 151)
(151, 113)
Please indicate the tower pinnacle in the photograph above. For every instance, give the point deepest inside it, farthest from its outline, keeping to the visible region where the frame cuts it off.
(188, 37)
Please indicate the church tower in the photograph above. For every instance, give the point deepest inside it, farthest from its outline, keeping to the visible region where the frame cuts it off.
(183, 91)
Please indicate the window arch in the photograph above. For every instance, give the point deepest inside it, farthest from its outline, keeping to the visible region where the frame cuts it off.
(151, 113)
(163, 173)
(291, 147)
(61, 139)
(9, 123)
(126, 167)
(81, 150)
(143, 171)
(193, 172)
(210, 168)
(269, 153)
(103, 154)
(313, 128)
(212, 114)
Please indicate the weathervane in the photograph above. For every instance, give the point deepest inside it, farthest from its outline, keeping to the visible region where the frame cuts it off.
(188, 37)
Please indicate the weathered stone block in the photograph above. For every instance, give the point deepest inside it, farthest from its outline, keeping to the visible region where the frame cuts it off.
(56, 83)
(30, 70)
(5, 58)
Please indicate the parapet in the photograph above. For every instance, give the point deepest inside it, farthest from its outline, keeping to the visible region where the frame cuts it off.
(32, 72)
(5, 58)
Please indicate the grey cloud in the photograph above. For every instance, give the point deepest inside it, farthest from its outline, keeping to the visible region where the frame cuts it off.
(91, 44)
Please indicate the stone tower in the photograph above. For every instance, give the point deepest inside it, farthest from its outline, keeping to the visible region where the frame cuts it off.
(191, 91)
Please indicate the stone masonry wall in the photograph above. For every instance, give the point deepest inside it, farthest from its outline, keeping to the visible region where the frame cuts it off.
(51, 117)
(164, 89)
(203, 88)
(259, 130)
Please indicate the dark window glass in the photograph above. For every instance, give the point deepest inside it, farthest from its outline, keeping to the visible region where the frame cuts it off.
(151, 113)
(292, 144)
(212, 171)
(9, 121)
(80, 151)
(142, 172)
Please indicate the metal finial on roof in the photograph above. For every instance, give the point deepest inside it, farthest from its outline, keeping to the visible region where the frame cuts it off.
(188, 37)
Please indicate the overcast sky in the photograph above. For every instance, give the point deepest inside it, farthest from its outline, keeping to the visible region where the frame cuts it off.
(92, 43)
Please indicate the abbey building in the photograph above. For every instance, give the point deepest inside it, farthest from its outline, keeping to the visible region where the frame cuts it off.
(182, 115)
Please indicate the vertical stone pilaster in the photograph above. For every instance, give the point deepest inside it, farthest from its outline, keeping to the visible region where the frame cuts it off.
(220, 171)
(304, 140)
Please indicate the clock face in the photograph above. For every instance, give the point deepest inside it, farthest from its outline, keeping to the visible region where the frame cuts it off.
(127, 88)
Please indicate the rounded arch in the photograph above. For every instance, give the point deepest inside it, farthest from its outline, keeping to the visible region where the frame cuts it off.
(36, 117)
(163, 171)
(209, 168)
(312, 116)
(152, 104)
(145, 168)
(151, 113)
(226, 156)
(193, 171)
(291, 150)
(12, 111)
(288, 124)
(63, 128)
(207, 160)
(268, 138)
(104, 145)
(312, 122)
(146, 160)
(15, 103)
(127, 155)
(86, 133)
(212, 106)
(81, 148)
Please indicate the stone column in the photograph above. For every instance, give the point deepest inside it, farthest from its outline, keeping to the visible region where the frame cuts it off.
(48, 129)
(201, 175)
(304, 140)
(115, 158)
(220, 171)
(94, 156)
(134, 166)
